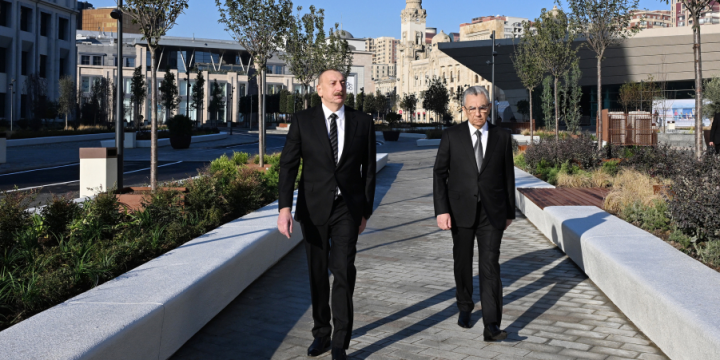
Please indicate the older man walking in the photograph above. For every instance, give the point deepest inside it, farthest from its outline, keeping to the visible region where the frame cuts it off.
(474, 196)
(335, 200)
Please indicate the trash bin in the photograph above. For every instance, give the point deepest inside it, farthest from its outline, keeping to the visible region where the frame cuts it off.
(98, 170)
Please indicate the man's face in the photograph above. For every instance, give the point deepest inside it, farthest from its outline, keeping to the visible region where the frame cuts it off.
(476, 109)
(331, 88)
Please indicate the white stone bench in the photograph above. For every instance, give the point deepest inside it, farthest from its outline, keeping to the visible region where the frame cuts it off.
(152, 310)
(669, 296)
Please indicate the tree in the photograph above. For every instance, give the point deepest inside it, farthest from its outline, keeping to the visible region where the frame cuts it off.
(315, 100)
(381, 103)
(67, 102)
(523, 107)
(572, 94)
(308, 51)
(35, 89)
(603, 23)
(369, 104)
(290, 104)
(155, 18)
(197, 96)
(283, 101)
(629, 95)
(409, 104)
(696, 8)
(138, 92)
(528, 67)
(547, 103)
(436, 98)
(100, 96)
(216, 103)
(350, 100)
(555, 50)
(360, 100)
(260, 27)
(169, 94)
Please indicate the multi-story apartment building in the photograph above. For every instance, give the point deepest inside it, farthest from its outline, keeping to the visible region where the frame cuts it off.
(100, 20)
(681, 16)
(36, 37)
(384, 56)
(648, 19)
(220, 61)
(505, 27)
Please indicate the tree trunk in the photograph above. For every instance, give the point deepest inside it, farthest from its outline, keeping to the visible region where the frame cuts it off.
(557, 111)
(698, 88)
(153, 123)
(261, 119)
(598, 122)
(532, 128)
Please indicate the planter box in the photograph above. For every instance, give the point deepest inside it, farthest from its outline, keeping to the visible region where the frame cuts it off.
(391, 135)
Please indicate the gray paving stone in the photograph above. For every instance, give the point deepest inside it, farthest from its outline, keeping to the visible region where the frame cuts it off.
(405, 295)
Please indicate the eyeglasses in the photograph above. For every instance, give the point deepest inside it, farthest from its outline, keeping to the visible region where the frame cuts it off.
(483, 108)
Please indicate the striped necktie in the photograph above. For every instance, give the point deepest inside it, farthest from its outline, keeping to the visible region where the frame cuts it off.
(478, 150)
(334, 136)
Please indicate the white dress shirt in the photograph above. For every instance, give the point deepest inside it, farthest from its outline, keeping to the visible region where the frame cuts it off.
(340, 122)
(483, 133)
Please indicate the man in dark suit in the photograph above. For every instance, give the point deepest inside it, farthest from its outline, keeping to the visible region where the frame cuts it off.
(474, 195)
(335, 200)
(715, 133)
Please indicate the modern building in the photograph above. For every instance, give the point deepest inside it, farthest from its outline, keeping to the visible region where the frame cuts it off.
(383, 71)
(220, 61)
(35, 38)
(681, 16)
(419, 62)
(648, 19)
(100, 20)
(505, 27)
(666, 54)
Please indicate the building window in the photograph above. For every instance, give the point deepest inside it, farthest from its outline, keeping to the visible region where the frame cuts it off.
(5, 11)
(25, 18)
(129, 62)
(24, 58)
(43, 66)
(97, 60)
(23, 106)
(3, 98)
(44, 24)
(63, 28)
(3, 60)
(84, 60)
(61, 67)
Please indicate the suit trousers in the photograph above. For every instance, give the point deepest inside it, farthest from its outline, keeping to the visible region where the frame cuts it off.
(332, 246)
(488, 240)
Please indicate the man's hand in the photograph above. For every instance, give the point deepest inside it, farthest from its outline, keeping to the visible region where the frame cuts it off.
(285, 222)
(363, 223)
(444, 222)
(507, 223)
(711, 143)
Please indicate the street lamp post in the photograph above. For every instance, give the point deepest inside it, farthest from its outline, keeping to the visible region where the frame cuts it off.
(230, 103)
(12, 102)
(494, 117)
(119, 120)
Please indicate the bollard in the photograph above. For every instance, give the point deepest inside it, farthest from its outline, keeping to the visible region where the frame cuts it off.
(3, 148)
(98, 170)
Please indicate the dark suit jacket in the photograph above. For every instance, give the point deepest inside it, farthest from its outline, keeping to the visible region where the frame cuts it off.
(714, 131)
(354, 174)
(457, 185)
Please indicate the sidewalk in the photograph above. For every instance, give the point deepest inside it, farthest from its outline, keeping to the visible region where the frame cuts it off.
(405, 294)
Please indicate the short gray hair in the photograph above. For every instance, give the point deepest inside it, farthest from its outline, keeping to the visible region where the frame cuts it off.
(476, 90)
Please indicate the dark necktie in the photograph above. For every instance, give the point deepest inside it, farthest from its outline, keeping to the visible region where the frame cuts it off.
(334, 136)
(478, 150)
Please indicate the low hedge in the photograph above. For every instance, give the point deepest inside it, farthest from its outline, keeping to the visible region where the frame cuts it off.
(67, 249)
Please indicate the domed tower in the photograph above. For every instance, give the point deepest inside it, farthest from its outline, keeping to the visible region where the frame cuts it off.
(412, 39)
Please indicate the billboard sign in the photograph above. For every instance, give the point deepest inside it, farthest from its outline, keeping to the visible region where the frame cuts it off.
(680, 112)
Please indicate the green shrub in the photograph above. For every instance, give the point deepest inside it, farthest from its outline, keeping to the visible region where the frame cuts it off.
(240, 158)
(680, 238)
(58, 213)
(269, 159)
(519, 161)
(245, 192)
(13, 216)
(180, 125)
(653, 217)
(709, 253)
(225, 166)
(611, 167)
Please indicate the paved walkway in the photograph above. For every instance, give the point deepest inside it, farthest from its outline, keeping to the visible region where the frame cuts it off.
(404, 299)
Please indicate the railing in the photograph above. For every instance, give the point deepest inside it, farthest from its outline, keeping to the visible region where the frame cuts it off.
(635, 128)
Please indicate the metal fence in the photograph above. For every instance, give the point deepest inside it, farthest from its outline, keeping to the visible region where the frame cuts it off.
(634, 128)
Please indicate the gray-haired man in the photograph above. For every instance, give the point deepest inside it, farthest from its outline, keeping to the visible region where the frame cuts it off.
(474, 195)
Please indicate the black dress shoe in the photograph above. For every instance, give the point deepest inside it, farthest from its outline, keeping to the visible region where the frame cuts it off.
(339, 354)
(319, 346)
(464, 319)
(493, 333)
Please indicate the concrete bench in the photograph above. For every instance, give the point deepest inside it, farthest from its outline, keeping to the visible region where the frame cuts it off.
(152, 310)
(669, 296)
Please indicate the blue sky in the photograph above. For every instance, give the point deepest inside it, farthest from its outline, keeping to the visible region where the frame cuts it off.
(373, 18)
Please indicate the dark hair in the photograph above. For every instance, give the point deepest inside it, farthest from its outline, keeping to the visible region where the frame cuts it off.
(326, 70)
